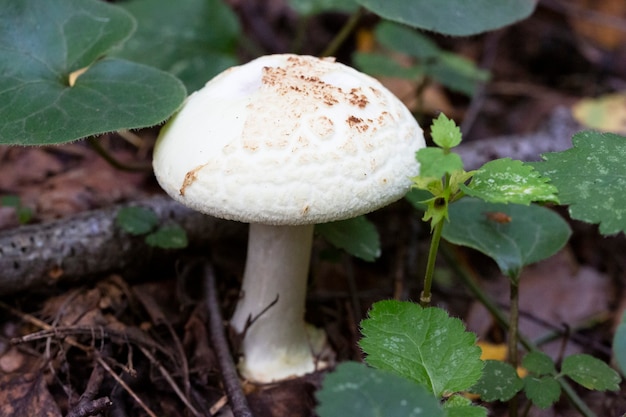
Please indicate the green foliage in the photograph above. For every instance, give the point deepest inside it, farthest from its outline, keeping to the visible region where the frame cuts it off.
(454, 71)
(539, 363)
(43, 43)
(24, 214)
(510, 181)
(354, 389)
(499, 382)
(619, 344)
(139, 221)
(527, 235)
(357, 236)
(445, 133)
(543, 391)
(453, 17)
(436, 162)
(194, 42)
(424, 345)
(459, 406)
(311, 7)
(591, 179)
(591, 372)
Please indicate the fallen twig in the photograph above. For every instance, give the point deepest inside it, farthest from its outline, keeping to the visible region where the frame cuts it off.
(230, 378)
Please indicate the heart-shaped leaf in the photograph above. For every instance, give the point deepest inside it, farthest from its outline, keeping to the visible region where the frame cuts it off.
(453, 17)
(422, 344)
(43, 43)
(354, 389)
(194, 42)
(513, 235)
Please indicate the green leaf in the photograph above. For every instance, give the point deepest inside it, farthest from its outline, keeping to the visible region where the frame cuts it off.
(498, 382)
(422, 344)
(539, 363)
(380, 65)
(531, 234)
(406, 40)
(542, 391)
(457, 73)
(136, 220)
(591, 372)
(42, 43)
(619, 344)
(354, 389)
(453, 17)
(591, 178)
(510, 181)
(168, 237)
(194, 42)
(357, 236)
(458, 406)
(445, 132)
(311, 7)
(435, 162)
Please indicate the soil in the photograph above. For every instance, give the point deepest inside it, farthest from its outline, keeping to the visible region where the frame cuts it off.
(134, 341)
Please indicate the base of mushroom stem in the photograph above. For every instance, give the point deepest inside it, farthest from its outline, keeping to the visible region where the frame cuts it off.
(320, 356)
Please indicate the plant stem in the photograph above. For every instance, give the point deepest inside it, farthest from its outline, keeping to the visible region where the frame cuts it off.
(343, 34)
(430, 267)
(513, 335)
(501, 319)
(115, 163)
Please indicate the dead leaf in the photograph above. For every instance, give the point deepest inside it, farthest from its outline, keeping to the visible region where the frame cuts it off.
(605, 113)
(26, 395)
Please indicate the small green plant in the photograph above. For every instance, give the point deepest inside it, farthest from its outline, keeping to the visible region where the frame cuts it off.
(24, 214)
(140, 221)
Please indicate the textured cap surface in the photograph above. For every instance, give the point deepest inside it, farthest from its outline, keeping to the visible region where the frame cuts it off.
(288, 139)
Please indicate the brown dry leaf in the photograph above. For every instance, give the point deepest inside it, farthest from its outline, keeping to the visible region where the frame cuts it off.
(26, 395)
(555, 291)
(602, 35)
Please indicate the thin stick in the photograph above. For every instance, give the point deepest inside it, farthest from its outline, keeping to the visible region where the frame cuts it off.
(230, 378)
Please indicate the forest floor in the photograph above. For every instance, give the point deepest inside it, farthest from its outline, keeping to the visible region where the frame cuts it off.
(138, 335)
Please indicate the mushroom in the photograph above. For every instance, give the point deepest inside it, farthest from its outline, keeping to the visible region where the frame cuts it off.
(285, 142)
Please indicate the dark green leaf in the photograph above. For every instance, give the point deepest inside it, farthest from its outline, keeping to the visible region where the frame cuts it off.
(357, 236)
(380, 65)
(498, 382)
(168, 237)
(453, 17)
(591, 179)
(353, 389)
(513, 235)
(457, 73)
(136, 220)
(194, 42)
(539, 363)
(422, 344)
(406, 40)
(311, 7)
(591, 372)
(458, 406)
(42, 43)
(542, 391)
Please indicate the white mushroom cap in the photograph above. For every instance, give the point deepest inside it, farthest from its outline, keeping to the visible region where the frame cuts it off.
(289, 140)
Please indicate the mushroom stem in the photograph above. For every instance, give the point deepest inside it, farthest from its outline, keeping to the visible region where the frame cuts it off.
(276, 344)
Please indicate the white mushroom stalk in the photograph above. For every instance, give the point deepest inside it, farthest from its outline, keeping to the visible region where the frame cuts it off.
(285, 142)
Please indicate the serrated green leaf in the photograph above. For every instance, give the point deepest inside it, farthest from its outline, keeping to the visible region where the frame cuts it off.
(194, 42)
(136, 220)
(357, 236)
(42, 43)
(619, 344)
(458, 406)
(539, 363)
(168, 237)
(445, 132)
(510, 181)
(542, 391)
(591, 179)
(591, 372)
(435, 162)
(354, 389)
(498, 382)
(453, 17)
(531, 234)
(422, 344)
